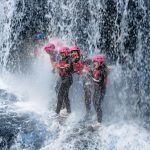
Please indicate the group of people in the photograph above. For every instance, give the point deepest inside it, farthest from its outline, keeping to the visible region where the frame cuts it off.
(70, 63)
(93, 72)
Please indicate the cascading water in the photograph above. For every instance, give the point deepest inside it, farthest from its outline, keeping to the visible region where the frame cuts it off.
(7, 8)
(117, 28)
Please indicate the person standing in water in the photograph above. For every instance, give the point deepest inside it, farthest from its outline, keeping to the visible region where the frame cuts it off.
(65, 70)
(99, 75)
(51, 51)
(39, 42)
(82, 69)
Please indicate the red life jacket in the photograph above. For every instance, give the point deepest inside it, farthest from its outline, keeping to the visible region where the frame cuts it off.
(61, 67)
(64, 68)
(97, 74)
(78, 67)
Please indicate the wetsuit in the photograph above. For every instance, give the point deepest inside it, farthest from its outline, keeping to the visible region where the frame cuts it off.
(82, 69)
(87, 90)
(87, 84)
(79, 66)
(66, 81)
(99, 77)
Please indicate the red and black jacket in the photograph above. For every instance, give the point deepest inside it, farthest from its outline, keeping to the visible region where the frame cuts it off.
(99, 75)
(78, 67)
(65, 68)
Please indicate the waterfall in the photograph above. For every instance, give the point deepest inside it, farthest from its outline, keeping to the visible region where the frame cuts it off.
(117, 28)
(7, 8)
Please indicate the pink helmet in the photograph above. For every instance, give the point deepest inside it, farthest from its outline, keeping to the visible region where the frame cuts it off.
(64, 50)
(49, 48)
(99, 58)
(75, 48)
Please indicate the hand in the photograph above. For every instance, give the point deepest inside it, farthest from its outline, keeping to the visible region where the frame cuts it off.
(66, 65)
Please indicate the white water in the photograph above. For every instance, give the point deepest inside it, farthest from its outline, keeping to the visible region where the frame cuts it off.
(6, 10)
(116, 132)
(119, 130)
